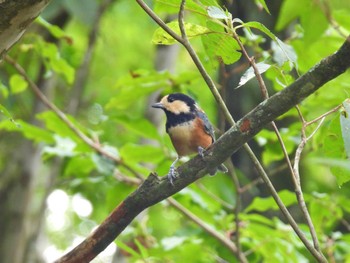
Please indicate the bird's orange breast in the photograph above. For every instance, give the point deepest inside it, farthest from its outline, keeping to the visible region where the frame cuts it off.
(188, 136)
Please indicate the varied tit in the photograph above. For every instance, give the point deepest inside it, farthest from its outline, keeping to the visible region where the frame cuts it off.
(188, 127)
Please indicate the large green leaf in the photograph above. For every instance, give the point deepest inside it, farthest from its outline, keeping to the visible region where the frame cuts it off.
(219, 45)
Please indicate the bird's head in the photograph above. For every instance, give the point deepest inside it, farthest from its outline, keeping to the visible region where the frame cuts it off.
(176, 103)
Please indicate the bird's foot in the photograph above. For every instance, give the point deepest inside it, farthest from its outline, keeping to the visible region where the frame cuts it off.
(172, 174)
(201, 151)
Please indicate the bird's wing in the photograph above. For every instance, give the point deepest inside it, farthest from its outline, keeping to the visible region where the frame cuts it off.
(207, 125)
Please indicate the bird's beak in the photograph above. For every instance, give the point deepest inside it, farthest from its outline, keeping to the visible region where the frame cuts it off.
(158, 105)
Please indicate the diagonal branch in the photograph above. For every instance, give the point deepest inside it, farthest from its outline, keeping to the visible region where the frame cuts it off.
(154, 189)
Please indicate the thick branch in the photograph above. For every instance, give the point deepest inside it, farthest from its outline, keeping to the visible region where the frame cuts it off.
(154, 190)
(15, 17)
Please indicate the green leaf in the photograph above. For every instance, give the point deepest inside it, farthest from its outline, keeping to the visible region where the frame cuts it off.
(289, 11)
(137, 85)
(141, 153)
(79, 165)
(54, 61)
(314, 22)
(333, 147)
(249, 74)
(221, 46)
(261, 27)
(143, 250)
(160, 37)
(264, 204)
(339, 168)
(54, 30)
(263, 4)
(4, 90)
(17, 84)
(127, 249)
(56, 125)
(141, 127)
(7, 114)
(345, 126)
(173, 6)
(28, 130)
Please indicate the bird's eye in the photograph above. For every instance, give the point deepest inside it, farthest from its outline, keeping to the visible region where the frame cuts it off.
(171, 99)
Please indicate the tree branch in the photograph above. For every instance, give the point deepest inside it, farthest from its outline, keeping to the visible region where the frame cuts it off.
(15, 17)
(154, 189)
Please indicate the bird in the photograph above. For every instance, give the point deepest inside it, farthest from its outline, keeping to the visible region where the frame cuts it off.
(189, 128)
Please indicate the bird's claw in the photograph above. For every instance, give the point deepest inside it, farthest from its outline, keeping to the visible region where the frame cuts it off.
(172, 174)
(201, 151)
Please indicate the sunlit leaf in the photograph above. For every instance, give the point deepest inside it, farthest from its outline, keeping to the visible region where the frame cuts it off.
(249, 74)
(222, 47)
(17, 84)
(8, 115)
(53, 29)
(173, 6)
(160, 37)
(264, 204)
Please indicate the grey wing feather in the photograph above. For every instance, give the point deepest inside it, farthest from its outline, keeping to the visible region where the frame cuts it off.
(207, 125)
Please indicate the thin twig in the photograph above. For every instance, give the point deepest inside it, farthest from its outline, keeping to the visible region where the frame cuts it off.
(298, 189)
(97, 147)
(324, 115)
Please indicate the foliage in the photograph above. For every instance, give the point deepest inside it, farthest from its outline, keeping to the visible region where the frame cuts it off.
(120, 80)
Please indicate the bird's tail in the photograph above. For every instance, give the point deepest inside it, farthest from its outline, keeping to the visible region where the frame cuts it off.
(222, 168)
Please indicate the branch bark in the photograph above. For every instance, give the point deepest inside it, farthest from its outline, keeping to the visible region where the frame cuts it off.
(15, 17)
(155, 189)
